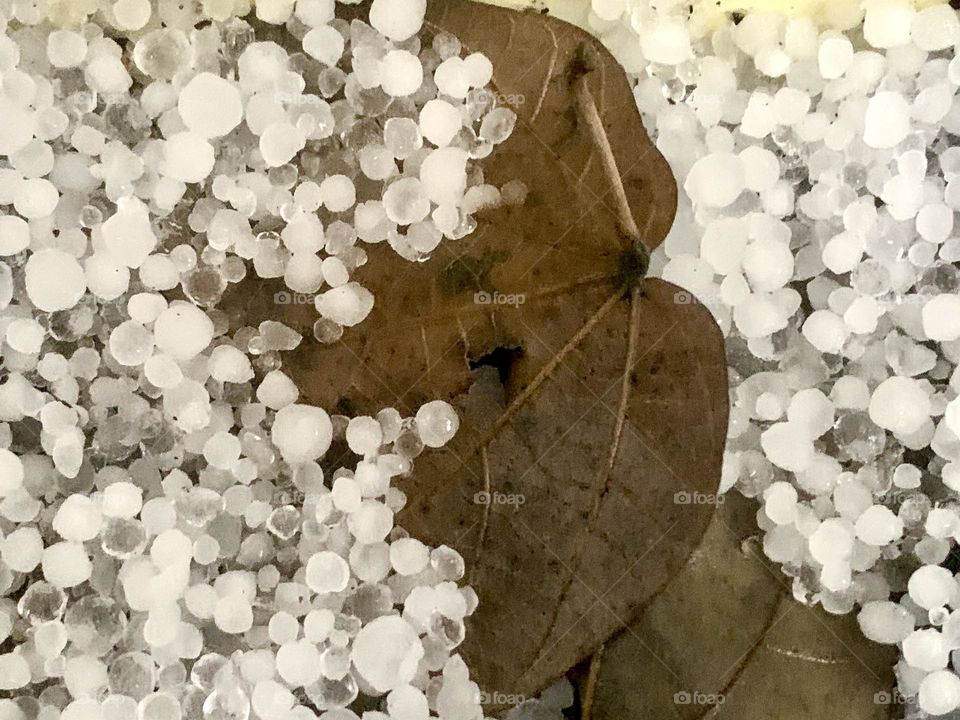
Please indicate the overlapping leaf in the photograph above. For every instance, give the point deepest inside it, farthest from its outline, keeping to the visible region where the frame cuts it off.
(588, 398)
(727, 641)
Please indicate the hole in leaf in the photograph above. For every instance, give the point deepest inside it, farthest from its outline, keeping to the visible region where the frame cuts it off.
(501, 359)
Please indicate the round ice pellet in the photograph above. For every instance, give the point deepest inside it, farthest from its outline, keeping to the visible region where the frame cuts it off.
(406, 201)
(338, 192)
(386, 652)
(398, 19)
(931, 586)
(941, 318)
(939, 692)
(14, 234)
(444, 175)
(233, 614)
(302, 433)
(885, 622)
(210, 105)
(371, 522)
(66, 564)
(887, 121)
(440, 122)
(364, 435)
(401, 73)
(409, 556)
(437, 423)
(324, 43)
(22, 549)
(346, 305)
(54, 279)
(327, 572)
(66, 48)
(187, 157)
(452, 78)
(715, 180)
(280, 142)
(900, 405)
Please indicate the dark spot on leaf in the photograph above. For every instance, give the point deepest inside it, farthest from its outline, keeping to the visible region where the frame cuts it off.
(534, 199)
(584, 61)
(632, 267)
(463, 274)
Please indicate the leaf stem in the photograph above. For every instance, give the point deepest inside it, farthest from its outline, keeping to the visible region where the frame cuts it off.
(590, 687)
(587, 109)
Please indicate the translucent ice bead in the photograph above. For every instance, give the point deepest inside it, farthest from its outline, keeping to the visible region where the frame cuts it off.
(160, 53)
(327, 694)
(284, 522)
(205, 668)
(42, 602)
(437, 423)
(132, 674)
(448, 563)
(94, 624)
(858, 437)
(227, 703)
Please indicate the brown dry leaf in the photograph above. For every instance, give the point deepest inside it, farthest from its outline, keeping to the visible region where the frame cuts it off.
(728, 627)
(593, 400)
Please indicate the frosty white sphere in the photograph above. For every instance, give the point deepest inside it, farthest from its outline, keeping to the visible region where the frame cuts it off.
(715, 180)
(398, 19)
(941, 317)
(900, 405)
(885, 622)
(386, 652)
(182, 331)
(932, 586)
(437, 423)
(327, 572)
(939, 692)
(302, 433)
(210, 105)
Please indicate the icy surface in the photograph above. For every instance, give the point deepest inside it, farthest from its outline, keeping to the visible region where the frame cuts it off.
(175, 541)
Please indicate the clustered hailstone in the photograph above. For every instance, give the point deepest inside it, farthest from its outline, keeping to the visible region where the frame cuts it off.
(820, 176)
(170, 546)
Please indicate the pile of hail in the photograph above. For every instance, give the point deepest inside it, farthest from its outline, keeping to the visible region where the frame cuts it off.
(819, 169)
(170, 546)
